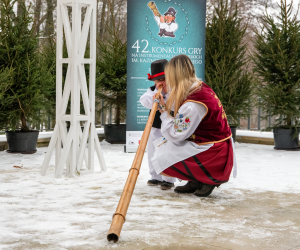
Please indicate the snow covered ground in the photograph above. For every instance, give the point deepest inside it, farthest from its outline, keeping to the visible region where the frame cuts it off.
(260, 209)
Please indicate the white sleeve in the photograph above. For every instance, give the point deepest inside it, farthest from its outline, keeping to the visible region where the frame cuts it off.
(147, 99)
(157, 19)
(184, 124)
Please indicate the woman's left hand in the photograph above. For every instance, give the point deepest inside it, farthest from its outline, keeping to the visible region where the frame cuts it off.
(161, 104)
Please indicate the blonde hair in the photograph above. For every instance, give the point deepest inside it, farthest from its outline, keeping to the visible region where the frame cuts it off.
(180, 76)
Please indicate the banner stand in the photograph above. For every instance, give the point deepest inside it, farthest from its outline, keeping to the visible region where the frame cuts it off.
(157, 30)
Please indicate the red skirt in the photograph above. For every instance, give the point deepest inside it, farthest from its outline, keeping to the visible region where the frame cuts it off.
(212, 166)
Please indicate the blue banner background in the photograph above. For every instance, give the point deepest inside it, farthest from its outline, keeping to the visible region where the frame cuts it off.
(145, 46)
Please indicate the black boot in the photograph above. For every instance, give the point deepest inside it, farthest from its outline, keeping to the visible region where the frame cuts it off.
(154, 182)
(161, 32)
(170, 34)
(190, 187)
(166, 185)
(205, 191)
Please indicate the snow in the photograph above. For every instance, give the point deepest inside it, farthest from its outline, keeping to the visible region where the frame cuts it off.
(48, 134)
(250, 133)
(75, 213)
(239, 132)
(257, 134)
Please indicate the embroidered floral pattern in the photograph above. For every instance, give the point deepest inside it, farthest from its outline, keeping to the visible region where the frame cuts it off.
(164, 141)
(181, 123)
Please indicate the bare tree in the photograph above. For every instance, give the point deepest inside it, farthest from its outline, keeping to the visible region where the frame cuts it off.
(19, 7)
(102, 21)
(37, 15)
(49, 26)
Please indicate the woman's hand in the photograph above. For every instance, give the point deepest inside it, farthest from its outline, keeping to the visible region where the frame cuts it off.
(161, 104)
(163, 85)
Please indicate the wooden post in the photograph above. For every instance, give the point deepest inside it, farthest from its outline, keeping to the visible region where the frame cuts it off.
(120, 214)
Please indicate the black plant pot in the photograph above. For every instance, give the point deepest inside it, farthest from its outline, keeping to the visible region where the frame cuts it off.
(22, 142)
(283, 138)
(115, 133)
(233, 131)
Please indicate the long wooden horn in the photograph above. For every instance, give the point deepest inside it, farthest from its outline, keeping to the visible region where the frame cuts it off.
(120, 214)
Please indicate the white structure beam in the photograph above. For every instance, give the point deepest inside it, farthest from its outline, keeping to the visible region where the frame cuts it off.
(70, 147)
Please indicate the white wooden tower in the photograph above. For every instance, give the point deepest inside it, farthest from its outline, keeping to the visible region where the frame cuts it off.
(70, 147)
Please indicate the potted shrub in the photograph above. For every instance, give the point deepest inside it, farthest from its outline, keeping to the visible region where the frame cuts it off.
(226, 63)
(111, 80)
(30, 83)
(5, 82)
(277, 67)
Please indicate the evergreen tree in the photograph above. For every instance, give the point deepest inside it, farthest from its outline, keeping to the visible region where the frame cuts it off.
(31, 82)
(226, 62)
(277, 65)
(48, 51)
(111, 78)
(5, 82)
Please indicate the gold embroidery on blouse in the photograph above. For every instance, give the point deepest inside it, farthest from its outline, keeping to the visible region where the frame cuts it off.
(220, 105)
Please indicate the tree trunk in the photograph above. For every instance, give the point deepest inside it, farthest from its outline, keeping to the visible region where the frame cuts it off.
(24, 125)
(98, 21)
(111, 13)
(2, 20)
(49, 29)
(232, 7)
(37, 16)
(102, 23)
(118, 115)
(20, 7)
(289, 120)
(288, 117)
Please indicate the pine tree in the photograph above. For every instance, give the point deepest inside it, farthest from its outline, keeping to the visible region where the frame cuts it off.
(31, 82)
(277, 65)
(48, 51)
(111, 78)
(226, 62)
(5, 82)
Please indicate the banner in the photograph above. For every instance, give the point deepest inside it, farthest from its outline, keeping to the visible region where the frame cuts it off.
(157, 30)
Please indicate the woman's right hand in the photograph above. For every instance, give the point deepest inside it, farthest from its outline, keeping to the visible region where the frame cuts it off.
(161, 105)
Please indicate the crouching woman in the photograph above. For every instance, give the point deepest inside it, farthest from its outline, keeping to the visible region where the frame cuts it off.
(196, 145)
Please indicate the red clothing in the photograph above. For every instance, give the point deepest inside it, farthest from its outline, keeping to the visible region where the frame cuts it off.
(214, 165)
(214, 126)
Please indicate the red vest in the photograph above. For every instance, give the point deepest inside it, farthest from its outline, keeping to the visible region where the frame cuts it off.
(214, 127)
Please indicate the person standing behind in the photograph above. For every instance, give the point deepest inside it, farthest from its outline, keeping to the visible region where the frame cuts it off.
(158, 76)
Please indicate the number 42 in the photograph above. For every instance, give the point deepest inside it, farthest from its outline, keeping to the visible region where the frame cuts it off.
(137, 47)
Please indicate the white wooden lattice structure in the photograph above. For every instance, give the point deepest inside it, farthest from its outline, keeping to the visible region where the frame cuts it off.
(70, 147)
